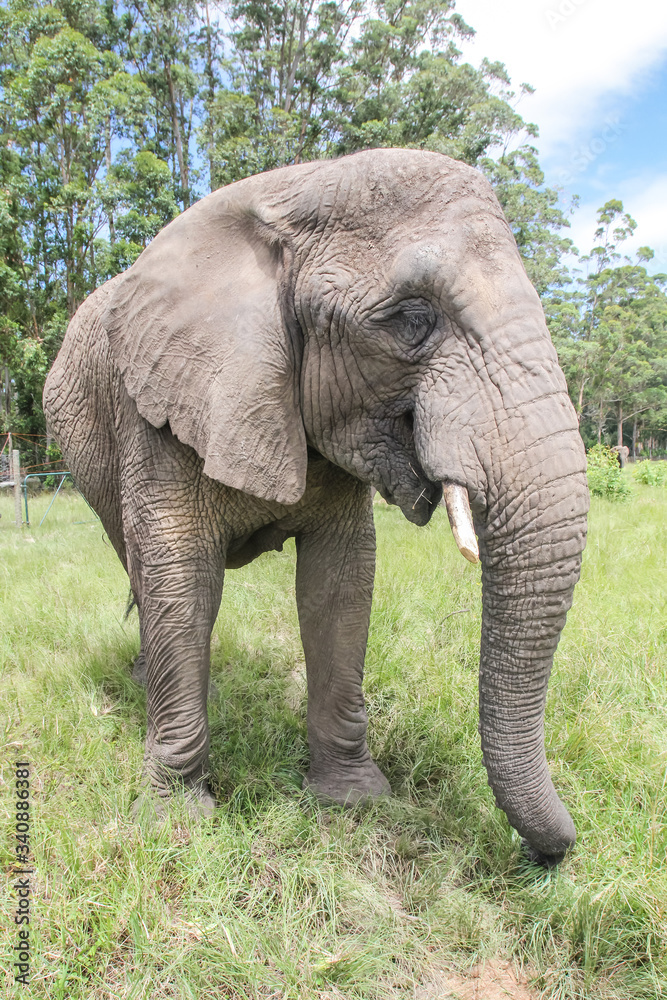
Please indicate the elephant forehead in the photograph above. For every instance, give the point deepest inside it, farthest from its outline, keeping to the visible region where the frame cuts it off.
(373, 192)
(372, 188)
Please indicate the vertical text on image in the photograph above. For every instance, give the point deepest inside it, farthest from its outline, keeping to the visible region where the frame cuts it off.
(22, 871)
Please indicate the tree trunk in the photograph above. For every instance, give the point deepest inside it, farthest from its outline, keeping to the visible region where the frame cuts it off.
(619, 425)
(8, 393)
(634, 439)
(210, 77)
(107, 157)
(293, 67)
(601, 416)
(580, 401)
(70, 291)
(176, 125)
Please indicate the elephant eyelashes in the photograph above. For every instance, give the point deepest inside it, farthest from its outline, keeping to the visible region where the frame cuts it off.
(411, 322)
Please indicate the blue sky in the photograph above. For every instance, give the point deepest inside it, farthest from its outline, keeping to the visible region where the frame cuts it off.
(600, 72)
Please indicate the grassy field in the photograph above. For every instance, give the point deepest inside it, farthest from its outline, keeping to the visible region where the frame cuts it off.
(426, 895)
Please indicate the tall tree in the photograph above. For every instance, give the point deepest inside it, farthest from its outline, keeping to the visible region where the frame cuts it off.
(63, 103)
(282, 72)
(611, 331)
(533, 213)
(161, 44)
(309, 81)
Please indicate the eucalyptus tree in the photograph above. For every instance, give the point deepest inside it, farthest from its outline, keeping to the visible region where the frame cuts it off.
(281, 72)
(63, 103)
(308, 81)
(611, 332)
(536, 219)
(160, 43)
(404, 85)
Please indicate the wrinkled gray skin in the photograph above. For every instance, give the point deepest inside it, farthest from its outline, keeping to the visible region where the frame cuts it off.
(284, 345)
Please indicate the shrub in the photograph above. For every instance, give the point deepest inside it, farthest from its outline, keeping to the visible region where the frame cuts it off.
(604, 475)
(651, 473)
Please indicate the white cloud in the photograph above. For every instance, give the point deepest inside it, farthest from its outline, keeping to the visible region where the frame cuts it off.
(578, 54)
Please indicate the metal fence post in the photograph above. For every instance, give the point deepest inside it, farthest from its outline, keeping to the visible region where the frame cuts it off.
(16, 469)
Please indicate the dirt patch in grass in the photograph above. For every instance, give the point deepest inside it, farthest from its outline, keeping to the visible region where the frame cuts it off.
(493, 980)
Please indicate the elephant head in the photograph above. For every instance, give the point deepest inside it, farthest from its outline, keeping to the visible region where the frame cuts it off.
(375, 308)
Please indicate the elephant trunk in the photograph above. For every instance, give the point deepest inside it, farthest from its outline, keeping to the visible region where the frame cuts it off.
(525, 476)
(528, 580)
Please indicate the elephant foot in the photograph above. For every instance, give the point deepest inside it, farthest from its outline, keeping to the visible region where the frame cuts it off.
(150, 808)
(157, 798)
(347, 787)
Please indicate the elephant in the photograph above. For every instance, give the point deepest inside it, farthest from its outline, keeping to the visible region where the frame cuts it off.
(622, 454)
(289, 343)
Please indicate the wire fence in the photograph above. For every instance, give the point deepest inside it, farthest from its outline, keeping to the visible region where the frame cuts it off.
(51, 474)
(28, 445)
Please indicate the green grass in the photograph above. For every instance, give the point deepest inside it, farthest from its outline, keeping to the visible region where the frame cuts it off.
(278, 898)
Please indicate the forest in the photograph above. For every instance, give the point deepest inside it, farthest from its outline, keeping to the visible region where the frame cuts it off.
(116, 116)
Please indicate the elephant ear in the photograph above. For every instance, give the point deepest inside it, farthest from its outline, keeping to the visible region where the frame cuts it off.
(200, 330)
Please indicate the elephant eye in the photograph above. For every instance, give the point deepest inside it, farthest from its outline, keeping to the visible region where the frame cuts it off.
(411, 321)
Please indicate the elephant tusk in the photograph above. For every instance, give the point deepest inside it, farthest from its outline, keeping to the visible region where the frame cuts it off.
(460, 519)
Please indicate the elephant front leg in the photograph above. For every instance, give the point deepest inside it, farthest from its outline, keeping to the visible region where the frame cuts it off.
(177, 610)
(334, 589)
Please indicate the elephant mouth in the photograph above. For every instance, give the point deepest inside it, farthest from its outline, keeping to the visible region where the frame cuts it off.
(419, 509)
(417, 502)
